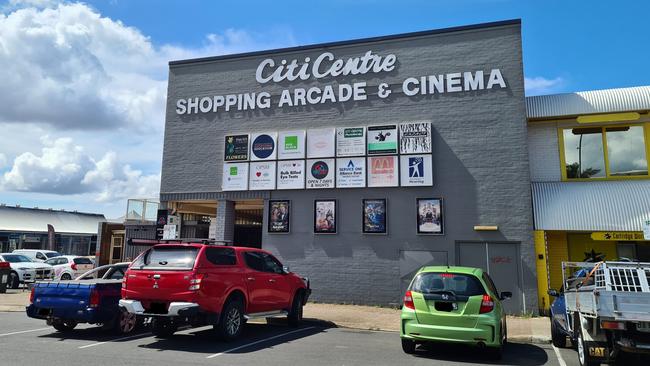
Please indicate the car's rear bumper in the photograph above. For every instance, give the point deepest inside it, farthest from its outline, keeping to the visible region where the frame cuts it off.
(184, 309)
(485, 332)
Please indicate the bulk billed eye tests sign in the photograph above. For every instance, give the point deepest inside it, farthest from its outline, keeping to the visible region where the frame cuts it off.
(329, 67)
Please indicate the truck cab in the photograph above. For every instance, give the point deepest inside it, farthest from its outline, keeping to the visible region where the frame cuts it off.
(197, 284)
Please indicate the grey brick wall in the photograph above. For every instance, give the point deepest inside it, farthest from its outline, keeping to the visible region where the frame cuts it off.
(480, 158)
(544, 152)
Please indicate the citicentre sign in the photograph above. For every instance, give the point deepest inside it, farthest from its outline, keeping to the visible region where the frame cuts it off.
(326, 65)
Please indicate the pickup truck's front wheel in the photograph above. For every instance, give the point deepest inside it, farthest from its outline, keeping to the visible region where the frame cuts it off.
(64, 325)
(295, 315)
(231, 323)
(163, 328)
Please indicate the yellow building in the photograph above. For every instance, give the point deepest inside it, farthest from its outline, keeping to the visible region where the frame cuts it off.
(590, 184)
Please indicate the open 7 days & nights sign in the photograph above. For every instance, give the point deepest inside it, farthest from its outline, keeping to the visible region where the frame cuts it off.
(328, 66)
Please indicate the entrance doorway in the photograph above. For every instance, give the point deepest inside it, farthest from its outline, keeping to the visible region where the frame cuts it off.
(249, 216)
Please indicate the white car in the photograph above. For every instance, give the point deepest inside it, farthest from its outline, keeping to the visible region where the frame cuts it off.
(24, 269)
(67, 267)
(37, 255)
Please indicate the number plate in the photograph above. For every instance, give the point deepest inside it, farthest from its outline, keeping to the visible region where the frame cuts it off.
(4, 279)
(643, 327)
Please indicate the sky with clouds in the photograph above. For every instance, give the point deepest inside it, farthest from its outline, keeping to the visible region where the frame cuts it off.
(83, 85)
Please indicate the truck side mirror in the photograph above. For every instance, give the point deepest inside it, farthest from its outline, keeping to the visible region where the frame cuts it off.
(553, 293)
(285, 269)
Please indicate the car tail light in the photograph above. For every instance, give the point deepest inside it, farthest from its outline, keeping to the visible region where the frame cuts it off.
(31, 296)
(408, 300)
(94, 299)
(447, 275)
(74, 266)
(195, 282)
(612, 325)
(124, 281)
(487, 304)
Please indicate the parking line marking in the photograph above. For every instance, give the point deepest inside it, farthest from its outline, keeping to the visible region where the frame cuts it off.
(24, 331)
(260, 341)
(559, 356)
(112, 340)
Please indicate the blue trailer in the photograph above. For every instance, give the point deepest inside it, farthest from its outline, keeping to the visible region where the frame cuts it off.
(92, 298)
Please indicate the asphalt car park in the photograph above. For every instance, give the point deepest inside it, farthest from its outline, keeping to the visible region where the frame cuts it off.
(26, 341)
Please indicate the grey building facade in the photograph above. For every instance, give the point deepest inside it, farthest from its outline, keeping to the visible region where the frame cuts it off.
(479, 157)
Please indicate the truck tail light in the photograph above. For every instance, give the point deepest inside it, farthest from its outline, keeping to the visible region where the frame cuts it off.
(195, 282)
(612, 325)
(94, 299)
(408, 300)
(124, 282)
(74, 266)
(487, 304)
(31, 296)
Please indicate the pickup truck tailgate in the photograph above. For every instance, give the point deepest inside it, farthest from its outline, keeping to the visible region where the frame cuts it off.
(625, 306)
(62, 295)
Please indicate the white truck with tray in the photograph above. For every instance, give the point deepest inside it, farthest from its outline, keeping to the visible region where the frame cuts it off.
(607, 309)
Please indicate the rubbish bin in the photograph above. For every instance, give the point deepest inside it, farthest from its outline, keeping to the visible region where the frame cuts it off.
(5, 270)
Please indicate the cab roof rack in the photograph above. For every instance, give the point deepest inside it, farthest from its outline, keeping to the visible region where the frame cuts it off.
(205, 241)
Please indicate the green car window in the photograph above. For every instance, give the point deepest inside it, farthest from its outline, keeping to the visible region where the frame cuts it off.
(458, 283)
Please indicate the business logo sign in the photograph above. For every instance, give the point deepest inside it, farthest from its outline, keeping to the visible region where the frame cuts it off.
(382, 140)
(291, 174)
(236, 148)
(415, 138)
(321, 173)
(291, 145)
(383, 171)
(320, 143)
(234, 177)
(350, 172)
(350, 141)
(262, 176)
(263, 146)
(416, 170)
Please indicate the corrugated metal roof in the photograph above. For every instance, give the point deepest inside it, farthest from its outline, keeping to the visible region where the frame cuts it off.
(36, 220)
(589, 102)
(591, 206)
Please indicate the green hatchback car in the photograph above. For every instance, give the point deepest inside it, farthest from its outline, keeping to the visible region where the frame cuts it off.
(453, 305)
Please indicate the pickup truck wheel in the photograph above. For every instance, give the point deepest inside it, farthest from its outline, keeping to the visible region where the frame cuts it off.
(126, 322)
(64, 325)
(163, 328)
(66, 277)
(14, 280)
(231, 323)
(583, 357)
(558, 338)
(295, 315)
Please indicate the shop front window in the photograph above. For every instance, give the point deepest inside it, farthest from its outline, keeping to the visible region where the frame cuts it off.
(583, 153)
(604, 152)
(626, 151)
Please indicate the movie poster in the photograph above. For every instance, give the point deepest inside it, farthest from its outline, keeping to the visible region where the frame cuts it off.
(279, 216)
(236, 148)
(325, 216)
(429, 216)
(374, 216)
(415, 138)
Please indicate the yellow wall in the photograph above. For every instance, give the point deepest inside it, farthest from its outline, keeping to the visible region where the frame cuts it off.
(543, 301)
(579, 244)
(556, 245)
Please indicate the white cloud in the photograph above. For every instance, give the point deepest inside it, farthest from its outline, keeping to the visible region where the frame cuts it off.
(540, 85)
(65, 168)
(97, 88)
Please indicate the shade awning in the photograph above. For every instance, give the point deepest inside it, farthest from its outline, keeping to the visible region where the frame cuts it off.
(36, 220)
(591, 206)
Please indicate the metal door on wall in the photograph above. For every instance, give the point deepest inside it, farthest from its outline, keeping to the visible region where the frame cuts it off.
(410, 261)
(501, 261)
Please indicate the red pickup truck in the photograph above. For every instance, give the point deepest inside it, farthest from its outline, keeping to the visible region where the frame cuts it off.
(202, 284)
